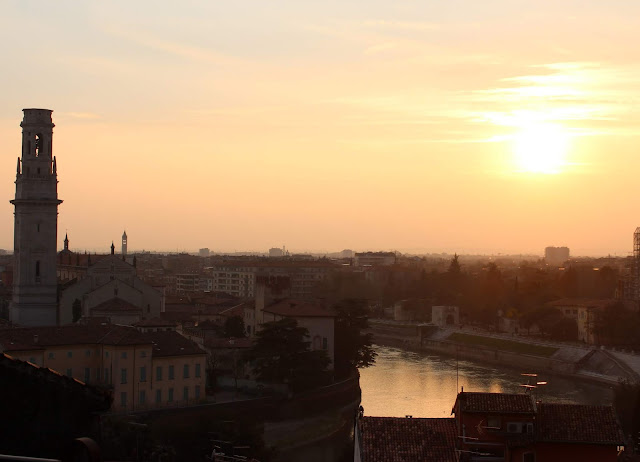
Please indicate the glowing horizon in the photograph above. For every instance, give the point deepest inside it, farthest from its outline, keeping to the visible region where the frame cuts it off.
(440, 126)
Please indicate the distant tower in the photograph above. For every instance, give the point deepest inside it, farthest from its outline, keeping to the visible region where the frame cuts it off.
(124, 244)
(66, 241)
(36, 224)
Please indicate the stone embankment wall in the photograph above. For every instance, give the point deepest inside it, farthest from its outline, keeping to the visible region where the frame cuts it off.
(296, 427)
(585, 362)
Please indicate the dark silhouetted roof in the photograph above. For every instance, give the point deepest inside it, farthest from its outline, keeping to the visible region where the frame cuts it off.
(496, 403)
(221, 343)
(298, 308)
(14, 369)
(578, 423)
(75, 334)
(116, 304)
(155, 322)
(392, 439)
(170, 343)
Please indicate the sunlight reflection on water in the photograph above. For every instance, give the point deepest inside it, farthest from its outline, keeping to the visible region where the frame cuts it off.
(423, 385)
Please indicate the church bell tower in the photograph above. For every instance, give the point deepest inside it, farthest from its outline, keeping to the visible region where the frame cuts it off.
(36, 224)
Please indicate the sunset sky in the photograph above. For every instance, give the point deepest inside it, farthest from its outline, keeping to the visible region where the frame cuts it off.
(500, 126)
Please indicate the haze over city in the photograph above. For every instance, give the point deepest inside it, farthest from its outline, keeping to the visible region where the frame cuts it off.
(500, 126)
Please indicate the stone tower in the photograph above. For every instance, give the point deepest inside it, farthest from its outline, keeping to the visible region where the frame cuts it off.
(36, 224)
(124, 244)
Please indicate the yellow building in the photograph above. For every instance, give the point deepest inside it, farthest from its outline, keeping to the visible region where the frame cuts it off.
(142, 370)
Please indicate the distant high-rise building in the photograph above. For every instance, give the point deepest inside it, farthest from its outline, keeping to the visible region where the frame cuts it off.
(556, 255)
(204, 252)
(276, 252)
(124, 244)
(36, 224)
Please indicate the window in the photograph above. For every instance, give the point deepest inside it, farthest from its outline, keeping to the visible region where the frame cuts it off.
(159, 373)
(51, 355)
(529, 457)
(123, 376)
(198, 370)
(123, 399)
(32, 360)
(70, 372)
(106, 354)
(170, 398)
(158, 396)
(143, 397)
(514, 427)
(123, 355)
(324, 343)
(186, 371)
(87, 374)
(170, 372)
(143, 374)
(106, 375)
(69, 354)
(185, 394)
(197, 391)
(143, 354)
(493, 422)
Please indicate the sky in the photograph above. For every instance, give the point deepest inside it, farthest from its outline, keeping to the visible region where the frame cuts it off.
(501, 126)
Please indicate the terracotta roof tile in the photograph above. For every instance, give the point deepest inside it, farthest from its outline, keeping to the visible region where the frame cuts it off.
(496, 403)
(578, 423)
(392, 439)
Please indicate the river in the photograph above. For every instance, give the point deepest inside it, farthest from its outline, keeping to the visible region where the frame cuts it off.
(424, 385)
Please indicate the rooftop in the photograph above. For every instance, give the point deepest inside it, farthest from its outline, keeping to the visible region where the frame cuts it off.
(503, 403)
(578, 423)
(392, 439)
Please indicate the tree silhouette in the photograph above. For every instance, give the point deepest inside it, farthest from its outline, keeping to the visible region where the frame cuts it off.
(281, 354)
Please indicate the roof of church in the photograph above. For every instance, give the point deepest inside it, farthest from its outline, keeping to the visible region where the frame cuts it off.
(116, 305)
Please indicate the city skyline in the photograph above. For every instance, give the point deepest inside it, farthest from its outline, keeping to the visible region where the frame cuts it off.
(408, 127)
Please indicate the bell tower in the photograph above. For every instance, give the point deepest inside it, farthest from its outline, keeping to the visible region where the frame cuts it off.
(124, 244)
(35, 232)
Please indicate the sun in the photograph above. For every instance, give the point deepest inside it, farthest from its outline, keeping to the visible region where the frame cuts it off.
(541, 148)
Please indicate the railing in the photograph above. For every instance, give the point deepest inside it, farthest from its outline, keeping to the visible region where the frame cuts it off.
(25, 459)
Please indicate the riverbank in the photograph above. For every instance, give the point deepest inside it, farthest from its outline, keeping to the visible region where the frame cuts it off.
(524, 354)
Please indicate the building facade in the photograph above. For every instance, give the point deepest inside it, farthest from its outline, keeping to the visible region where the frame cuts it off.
(141, 370)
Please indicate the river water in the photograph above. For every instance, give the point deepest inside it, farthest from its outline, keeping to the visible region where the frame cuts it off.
(424, 385)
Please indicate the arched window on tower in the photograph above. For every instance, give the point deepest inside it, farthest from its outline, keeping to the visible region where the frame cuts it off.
(38, 144)
(37, 270)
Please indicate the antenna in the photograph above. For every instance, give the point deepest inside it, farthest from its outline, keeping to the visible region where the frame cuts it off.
(529, 386)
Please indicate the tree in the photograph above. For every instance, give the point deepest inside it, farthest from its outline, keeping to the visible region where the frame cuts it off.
(234, 327)
(454, 266)
(281, 354)
(77, 310)
(353, 348)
